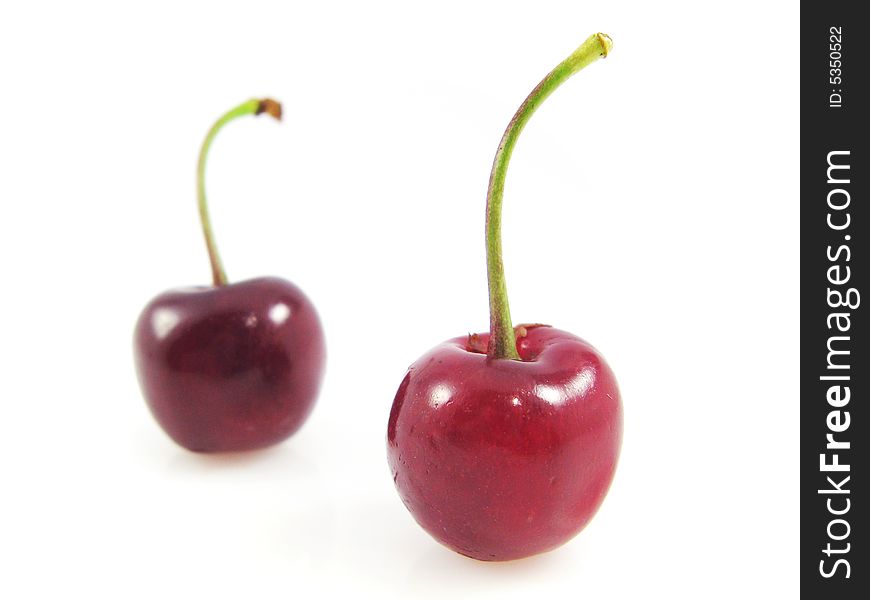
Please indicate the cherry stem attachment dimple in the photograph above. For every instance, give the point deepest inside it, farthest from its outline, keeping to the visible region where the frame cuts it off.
(251, 107)
(502, 340)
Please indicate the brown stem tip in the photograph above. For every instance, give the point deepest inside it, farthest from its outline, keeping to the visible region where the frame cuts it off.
(270, 107)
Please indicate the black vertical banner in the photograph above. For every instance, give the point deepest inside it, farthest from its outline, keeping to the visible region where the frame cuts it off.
(835, 372)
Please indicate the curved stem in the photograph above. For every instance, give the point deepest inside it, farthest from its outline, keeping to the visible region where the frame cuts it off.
(251, 107)
(502, 341)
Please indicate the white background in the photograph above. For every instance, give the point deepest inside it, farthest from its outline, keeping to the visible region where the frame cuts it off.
(651, 207)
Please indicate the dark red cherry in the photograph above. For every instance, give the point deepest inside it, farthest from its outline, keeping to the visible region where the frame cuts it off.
(231, 366)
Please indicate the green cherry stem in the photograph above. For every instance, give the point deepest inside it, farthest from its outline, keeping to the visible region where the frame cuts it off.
(502, 340)
(251, 107)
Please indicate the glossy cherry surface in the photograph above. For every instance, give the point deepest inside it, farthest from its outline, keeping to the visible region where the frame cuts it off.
(231, 367)
(502, 459)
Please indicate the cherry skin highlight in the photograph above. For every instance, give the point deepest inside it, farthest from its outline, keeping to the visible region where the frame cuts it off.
(234, 367)
(231, 366)
(504, 459)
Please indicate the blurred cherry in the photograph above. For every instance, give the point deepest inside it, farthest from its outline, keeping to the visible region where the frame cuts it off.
(231, 366)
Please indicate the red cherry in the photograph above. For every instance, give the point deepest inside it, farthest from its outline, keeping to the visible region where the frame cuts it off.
(501, 459)
(503, 445)
(231, 366)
